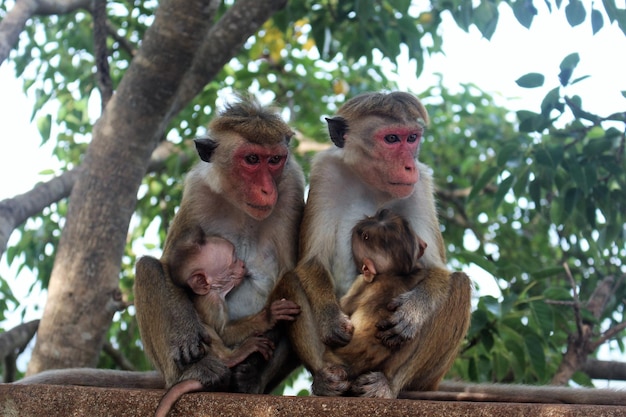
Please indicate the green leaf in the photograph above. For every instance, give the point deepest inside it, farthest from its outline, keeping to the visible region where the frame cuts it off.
(567, 67)
(578, 175)
(582, 379)
(531, 80)
(519, 362)
(484, 179)
(529, 121)
(570, 200)
(547, 272)
(611, 9)
(575, 12)
(557, 293)
(534, 346)
(506, 152)
(551, 101)
(534, 189)
(486, 338)
(44, 125)
(522, 181)
(503, 188)
(597, 21)
(486, 18)
(524, 12)
(544, 157)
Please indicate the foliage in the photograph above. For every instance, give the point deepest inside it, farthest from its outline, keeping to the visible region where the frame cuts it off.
(519, 196)
(557, 191)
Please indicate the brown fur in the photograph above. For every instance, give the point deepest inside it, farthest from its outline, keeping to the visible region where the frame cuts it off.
(356, 178)
(173, 335)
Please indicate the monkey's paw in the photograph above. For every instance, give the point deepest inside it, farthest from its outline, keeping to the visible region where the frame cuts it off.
(372, 385)
(188, 343)
(330, 381)
(336, 330)
(210, 371)
(246, 376)
(402, 325)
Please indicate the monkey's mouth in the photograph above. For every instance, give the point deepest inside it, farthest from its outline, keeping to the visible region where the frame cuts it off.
(402, 184)
(260, 208)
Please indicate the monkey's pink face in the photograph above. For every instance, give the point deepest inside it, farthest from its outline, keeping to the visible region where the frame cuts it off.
(259, 169)
(394, 169)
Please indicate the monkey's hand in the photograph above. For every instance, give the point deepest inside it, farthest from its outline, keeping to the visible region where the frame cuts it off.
(188, 342)
(252, 344)
(210, 371)
(282, 310)
(406, 319)
(336, 329)
(331, 380)
(372, 385)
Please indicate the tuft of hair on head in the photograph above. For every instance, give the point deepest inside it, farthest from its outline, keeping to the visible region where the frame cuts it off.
(258, 124)
(396, 105)
(385, 230)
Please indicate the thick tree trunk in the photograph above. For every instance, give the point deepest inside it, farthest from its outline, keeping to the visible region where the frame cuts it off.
(169, 70)
(84, 283)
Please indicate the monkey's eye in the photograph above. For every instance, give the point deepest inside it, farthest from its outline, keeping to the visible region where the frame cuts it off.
(412, 138)
(276, 159)
(365, 236)
(252, 159)
(392, 138)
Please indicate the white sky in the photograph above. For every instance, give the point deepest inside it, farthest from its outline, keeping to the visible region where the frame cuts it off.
(492, 65)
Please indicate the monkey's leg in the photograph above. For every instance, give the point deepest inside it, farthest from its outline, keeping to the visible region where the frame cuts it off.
(436, 347)
(171, 332)
(305, 340)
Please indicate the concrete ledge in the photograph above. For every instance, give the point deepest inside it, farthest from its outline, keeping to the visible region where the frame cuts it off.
(54, 400)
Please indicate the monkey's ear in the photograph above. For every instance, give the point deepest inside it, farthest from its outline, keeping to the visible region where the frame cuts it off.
(337, 128)
(368, 269)
(205, 148)
(199, 284)
(421, 247)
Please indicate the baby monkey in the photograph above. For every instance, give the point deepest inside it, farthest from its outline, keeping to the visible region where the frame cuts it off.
(386, 251)
(210, 268)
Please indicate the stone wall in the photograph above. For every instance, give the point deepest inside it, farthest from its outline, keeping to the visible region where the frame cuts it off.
(50, 401)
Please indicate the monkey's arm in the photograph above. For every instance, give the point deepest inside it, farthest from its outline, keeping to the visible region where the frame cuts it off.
(333, 324)
(237, 331)
(413, 308)
(171, 331)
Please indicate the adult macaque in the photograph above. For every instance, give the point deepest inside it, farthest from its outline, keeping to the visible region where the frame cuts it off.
(210, 268)
(387, 252)
(374, 165)
(250, 191)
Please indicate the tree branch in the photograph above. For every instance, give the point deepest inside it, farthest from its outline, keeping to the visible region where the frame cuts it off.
(15, 20)
(15, 211)
(118, 357)
(222, 42)
(16, 339)
(101, 53)
(610, 370)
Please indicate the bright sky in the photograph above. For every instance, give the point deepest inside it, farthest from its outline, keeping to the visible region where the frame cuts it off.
(492, 65)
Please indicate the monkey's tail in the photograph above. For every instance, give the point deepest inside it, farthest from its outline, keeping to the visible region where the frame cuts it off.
(106, 378)
(174, 393)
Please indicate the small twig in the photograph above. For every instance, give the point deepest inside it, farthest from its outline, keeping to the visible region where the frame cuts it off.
(560, 302)
(576, 304)
(118, 357)
(612, 331)
(124, 43)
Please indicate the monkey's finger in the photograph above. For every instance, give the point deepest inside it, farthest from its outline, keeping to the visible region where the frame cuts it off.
(284, 305)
